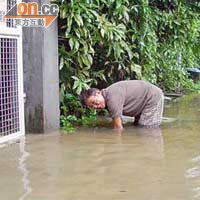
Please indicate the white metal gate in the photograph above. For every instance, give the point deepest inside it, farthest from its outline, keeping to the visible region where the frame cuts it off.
(11, 76)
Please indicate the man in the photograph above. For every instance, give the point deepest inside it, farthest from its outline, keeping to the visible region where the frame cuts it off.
(135, 98)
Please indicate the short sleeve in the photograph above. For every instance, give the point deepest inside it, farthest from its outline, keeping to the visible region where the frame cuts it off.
(115, 104)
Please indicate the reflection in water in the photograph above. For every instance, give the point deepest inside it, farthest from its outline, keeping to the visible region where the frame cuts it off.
(187, 111)
(197, 192)
(196, 159)
(152, 138)
(99, 164)
(23, 169)
(157, 137)
(193, 174)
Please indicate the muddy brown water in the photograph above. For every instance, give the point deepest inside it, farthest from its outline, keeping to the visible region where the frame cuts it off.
(99, 164)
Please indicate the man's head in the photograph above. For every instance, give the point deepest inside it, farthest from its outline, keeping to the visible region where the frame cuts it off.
(93, 98)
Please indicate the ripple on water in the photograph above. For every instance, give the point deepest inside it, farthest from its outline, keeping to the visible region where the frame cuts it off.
(196, 159)
(193, 172)
(196, 190)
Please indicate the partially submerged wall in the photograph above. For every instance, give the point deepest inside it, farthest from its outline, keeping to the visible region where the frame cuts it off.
(41, 79)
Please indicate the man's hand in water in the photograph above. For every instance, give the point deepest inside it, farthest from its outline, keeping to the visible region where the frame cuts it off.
(117, 124)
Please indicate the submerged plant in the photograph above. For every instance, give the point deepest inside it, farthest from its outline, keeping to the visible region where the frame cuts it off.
(74, 114)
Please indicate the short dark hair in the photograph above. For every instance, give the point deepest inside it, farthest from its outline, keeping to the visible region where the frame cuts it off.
(85, 94)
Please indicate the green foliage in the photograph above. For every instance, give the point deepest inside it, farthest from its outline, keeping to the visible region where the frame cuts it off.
(104, 41)
(72, 113)
(191, 87)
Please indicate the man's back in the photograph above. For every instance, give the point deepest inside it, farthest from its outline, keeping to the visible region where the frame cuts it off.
(130, 97)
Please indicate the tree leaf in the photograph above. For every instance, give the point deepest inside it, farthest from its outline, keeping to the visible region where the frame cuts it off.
(85, 60)
(76, 45)
(90, 59)
(102, 32)
(75, 78)
(61, 62)
(78, 20)
(76, 84)
(137, 69)
(119, 3)
(69, 24)
(71, 43)
(79, 89)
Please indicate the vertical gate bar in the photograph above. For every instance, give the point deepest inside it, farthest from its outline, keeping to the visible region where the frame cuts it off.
(11, 77)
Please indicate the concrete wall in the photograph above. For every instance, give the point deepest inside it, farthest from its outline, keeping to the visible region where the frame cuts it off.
(41, 79)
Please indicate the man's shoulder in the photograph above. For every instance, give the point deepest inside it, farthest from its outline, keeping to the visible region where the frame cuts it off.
(121, 86)
(116, 87)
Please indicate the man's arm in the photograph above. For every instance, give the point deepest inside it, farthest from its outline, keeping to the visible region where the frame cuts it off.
(117, 123)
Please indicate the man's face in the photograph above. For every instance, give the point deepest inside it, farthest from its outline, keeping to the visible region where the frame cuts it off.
(96, 102)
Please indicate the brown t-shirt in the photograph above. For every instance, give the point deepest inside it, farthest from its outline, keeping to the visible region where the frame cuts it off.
(130, 97)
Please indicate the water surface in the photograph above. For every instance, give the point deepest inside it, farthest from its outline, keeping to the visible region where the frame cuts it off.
(97, 163)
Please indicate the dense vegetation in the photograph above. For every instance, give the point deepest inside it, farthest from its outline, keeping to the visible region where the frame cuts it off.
(104, 41)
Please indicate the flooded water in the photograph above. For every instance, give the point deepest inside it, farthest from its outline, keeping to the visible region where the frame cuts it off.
(99, 164)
